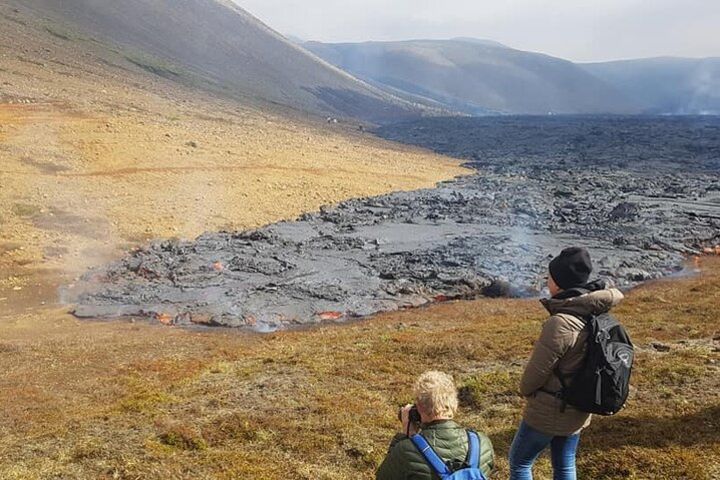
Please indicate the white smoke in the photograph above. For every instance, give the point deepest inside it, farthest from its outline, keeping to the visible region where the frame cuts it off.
(705, 85)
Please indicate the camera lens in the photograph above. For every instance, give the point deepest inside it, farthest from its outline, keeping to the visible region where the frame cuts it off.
(414, 414)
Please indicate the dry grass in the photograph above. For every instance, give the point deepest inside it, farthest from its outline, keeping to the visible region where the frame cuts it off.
(123, 400)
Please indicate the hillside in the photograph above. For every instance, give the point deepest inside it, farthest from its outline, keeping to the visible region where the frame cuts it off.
(99, 155)
(477, 76)
(665, 85)
(218, 46)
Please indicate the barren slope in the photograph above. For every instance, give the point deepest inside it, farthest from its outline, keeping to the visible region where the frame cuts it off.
(216, 45)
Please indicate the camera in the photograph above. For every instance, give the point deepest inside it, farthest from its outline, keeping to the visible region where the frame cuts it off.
(414, 414)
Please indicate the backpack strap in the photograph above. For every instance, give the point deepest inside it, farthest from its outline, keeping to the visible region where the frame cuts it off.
(589, 327)
(432, 458)
(473, 450)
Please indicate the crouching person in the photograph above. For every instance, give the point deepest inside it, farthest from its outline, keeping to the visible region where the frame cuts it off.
(433, 446)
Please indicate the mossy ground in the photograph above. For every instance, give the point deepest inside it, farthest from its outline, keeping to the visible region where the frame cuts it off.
(124, 400)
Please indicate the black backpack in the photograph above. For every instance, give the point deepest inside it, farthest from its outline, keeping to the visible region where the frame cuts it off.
(602, 384)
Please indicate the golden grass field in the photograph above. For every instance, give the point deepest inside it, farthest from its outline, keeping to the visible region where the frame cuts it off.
(135, 401)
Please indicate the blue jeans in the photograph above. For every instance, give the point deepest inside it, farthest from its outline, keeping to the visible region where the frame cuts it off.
(529, 443)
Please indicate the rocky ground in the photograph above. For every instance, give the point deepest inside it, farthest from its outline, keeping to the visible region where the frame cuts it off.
(571, 142)
(641, 194)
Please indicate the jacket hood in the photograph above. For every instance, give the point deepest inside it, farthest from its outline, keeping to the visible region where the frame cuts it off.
(583, 303)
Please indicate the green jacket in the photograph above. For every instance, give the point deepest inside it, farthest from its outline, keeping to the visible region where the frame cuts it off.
(450, 442)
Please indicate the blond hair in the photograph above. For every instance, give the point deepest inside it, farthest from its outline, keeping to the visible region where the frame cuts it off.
(436, 394)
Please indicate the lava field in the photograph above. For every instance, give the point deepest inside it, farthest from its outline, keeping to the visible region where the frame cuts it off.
(643, 194)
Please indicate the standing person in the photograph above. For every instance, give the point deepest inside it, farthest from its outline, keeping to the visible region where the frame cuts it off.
(436, 437)
(560, 351)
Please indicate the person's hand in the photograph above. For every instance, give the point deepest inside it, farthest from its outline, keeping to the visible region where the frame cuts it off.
(408, 428)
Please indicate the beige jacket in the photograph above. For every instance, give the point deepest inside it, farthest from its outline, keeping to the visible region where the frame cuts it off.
(561, 344)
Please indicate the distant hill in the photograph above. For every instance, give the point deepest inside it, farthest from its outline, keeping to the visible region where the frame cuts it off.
(295, 39)
(480, 41)
(666, 85)
(219, 47)
(215, 44)
(477, 76)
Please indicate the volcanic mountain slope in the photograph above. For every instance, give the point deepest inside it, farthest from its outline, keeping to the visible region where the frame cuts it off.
(477, 77)
(666, 85)
(98, 154)
(217, 45)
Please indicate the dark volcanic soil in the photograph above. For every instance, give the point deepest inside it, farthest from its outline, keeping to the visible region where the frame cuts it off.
(641, 193)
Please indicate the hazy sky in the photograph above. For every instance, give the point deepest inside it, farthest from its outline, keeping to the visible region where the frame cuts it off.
(581, 30)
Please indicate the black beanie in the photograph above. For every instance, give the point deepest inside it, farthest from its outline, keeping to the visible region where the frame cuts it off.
(571, 268)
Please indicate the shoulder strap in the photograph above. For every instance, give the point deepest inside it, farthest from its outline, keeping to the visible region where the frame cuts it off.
(473, 450)
(589, 326)
(432, 458)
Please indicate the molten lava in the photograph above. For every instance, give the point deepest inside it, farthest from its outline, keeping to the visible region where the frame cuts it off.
(327, 316)
(164, 318)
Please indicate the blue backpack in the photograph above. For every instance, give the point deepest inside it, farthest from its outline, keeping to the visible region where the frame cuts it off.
(470, 472)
